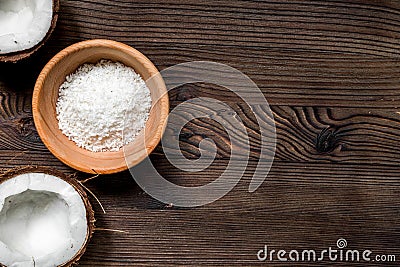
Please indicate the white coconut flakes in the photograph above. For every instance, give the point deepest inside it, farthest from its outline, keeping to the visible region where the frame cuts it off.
(23, 23)
(103, 106)
(42, 221)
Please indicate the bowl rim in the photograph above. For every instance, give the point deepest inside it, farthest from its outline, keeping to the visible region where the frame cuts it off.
(113, 45)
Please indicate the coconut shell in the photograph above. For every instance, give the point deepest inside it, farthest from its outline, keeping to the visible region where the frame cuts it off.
(75, 184)
(16, 56)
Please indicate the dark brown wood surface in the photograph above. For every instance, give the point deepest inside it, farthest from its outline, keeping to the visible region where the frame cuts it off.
(331, 72)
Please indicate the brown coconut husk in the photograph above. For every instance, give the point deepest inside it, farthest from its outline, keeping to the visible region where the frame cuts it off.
(76, 185)
(16, 56)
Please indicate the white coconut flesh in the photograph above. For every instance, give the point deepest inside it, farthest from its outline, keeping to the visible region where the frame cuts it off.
(42, 221)
(23, 23)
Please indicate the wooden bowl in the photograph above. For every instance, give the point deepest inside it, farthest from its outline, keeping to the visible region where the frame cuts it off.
(45, 97)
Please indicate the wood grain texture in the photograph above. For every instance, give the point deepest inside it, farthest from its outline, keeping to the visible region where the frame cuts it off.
(331, 72)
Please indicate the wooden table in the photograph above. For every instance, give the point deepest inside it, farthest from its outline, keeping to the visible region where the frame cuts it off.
(331, 72)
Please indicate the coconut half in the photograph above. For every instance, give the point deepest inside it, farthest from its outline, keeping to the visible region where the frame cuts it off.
(24, 26)
(45, 218)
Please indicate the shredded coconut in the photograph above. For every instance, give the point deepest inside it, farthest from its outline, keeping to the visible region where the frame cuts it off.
(103, 106)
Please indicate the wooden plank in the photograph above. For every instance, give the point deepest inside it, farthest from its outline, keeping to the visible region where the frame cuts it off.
(320, 25)
(299, 206)
(307, 134)
(353, 135)
(299, 53)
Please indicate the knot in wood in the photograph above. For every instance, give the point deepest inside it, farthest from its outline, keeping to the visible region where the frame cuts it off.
(327, 140)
